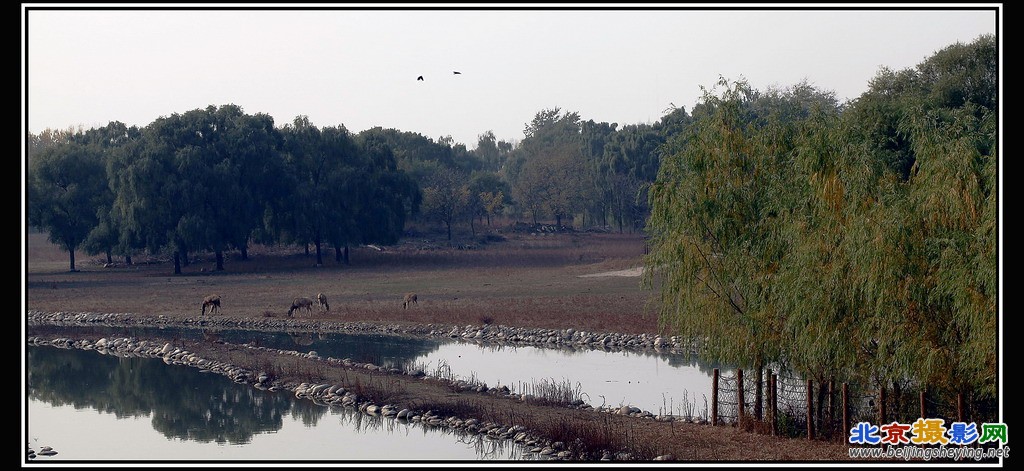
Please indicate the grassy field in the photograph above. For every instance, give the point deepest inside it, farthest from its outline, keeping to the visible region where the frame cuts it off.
(553, 281)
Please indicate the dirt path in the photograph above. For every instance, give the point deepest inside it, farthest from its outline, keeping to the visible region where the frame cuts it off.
(630, 272)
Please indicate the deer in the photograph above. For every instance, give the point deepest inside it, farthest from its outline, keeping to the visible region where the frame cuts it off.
(213, 302)
(410, 298)
(321, 301)
(301, 303)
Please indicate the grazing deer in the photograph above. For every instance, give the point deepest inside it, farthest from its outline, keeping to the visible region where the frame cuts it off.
(321, 301)
(213, 302)
(301, 303)
(410, 298)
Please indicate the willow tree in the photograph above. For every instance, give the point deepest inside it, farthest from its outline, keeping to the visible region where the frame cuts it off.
(385, 195)
(823, 326)
(950, 299)
(924, 248)
(716, 232)
(326, 166)
(66, 184)
(953, 190)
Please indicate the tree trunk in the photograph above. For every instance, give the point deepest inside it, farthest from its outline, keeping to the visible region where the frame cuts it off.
(319, 255)
(897, 393)
(71, 259)
(346, 254)
(245, 251)
(449, 225)
(220, 260)
(110, 257)
(758, 392)
(337, 254)
(128, 259)
(177, 262)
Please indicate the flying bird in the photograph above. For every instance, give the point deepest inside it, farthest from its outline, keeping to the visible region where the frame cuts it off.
(457, 72)
(420, 78)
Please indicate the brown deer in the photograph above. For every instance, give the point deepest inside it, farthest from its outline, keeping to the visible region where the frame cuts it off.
(213, 302)
(321, 301)
(410, 298)
(301, 303)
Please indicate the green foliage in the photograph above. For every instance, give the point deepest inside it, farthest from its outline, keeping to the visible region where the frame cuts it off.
(387, 195)
(487, 194)
(716, 228)
(447, 197)
(857, 242)
(491, 152)
(66, 184)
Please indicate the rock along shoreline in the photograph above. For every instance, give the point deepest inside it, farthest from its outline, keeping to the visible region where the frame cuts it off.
(337, 395)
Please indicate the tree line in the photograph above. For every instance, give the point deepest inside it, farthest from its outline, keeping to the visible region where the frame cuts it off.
(218, 178)
(848, 242)
(853, 240)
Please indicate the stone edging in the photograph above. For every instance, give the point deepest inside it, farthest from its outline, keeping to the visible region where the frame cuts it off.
(489, 334)
(333, 394)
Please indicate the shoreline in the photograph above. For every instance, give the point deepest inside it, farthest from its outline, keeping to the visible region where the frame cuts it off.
(490, 334)
(627, 434)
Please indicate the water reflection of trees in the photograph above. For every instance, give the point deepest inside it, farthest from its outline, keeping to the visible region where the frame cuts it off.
(181, 401)
(382, 350)
(185, 403)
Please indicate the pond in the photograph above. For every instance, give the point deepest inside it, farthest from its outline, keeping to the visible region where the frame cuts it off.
(660, 383)
(92, 407)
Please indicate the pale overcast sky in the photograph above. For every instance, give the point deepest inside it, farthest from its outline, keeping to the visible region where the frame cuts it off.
(358, 68)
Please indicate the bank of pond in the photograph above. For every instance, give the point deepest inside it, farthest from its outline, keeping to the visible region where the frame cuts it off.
(592, 374)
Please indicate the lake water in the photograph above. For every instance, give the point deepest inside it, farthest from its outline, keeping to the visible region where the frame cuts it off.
(655, 382)
(93, 407)
(90, 406)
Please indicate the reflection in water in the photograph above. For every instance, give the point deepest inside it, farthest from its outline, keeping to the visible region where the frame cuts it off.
(382, 350)
(188, 407)
(660, 383)
(180, 403)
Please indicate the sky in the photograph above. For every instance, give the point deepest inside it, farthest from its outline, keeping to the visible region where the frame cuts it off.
(358, 68)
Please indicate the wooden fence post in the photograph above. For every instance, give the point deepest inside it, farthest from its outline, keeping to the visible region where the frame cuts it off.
(810, 410)
(846, 411)
(881, 406)
(714, 397)
(774, 401)
(759, 396)
(830, 410)
(924, 410)
(739, 396)
(959, 407)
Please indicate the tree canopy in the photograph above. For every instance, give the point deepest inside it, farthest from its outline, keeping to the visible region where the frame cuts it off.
(851, 241)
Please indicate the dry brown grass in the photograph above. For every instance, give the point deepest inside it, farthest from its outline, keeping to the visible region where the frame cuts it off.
(586, 430)
(525, 281)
